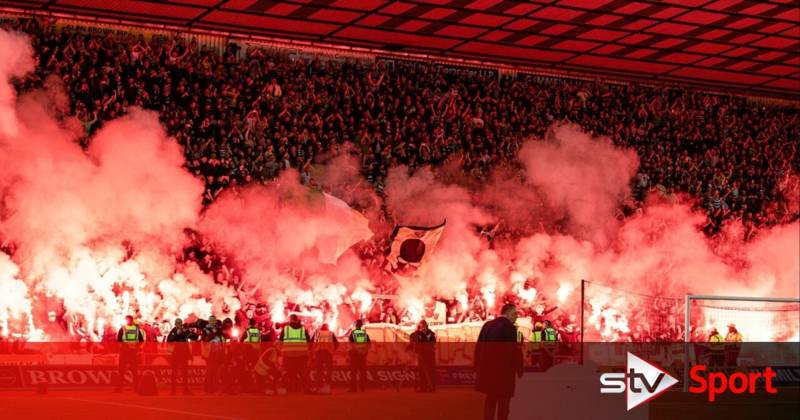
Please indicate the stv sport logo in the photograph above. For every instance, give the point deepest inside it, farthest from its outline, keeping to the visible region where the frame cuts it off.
(642, 381)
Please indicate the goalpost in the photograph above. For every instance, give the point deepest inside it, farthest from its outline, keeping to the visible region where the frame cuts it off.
(609, 314)
(758, 319)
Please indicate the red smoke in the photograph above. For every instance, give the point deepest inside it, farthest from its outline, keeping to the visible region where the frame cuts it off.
(99, 231)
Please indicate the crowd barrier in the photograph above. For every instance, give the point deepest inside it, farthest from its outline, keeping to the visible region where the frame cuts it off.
(394, 364)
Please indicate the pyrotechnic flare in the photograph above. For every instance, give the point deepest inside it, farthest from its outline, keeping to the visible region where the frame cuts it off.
(100, 233)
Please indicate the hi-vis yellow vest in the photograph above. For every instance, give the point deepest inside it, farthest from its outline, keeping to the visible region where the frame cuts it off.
(716, 343)
(549, 334)
(360, 340)
(130, 334)
(360, 336)
(536, 340)
(253, 335)
(294, 340)
(733, 337)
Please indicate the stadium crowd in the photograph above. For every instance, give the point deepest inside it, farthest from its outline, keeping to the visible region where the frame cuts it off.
(243, 116)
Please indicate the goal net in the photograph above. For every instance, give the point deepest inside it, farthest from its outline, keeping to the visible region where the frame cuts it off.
(756, 319)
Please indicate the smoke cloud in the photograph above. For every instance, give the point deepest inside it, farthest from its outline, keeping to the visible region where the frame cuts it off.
(584, 178)
(97, 229)
(279, 228)
(98, 233)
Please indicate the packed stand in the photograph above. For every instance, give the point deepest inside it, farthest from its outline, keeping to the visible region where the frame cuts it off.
(243, 116)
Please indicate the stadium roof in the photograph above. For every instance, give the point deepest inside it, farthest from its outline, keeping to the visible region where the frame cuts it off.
(747, 46)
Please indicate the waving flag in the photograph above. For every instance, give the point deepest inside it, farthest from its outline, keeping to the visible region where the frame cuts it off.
(350, 227)
(412, 245)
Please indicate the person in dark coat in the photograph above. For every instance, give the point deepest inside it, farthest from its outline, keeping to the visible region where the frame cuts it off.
(215, 359)
(498, 361)
(181, 354)
(423, 342)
